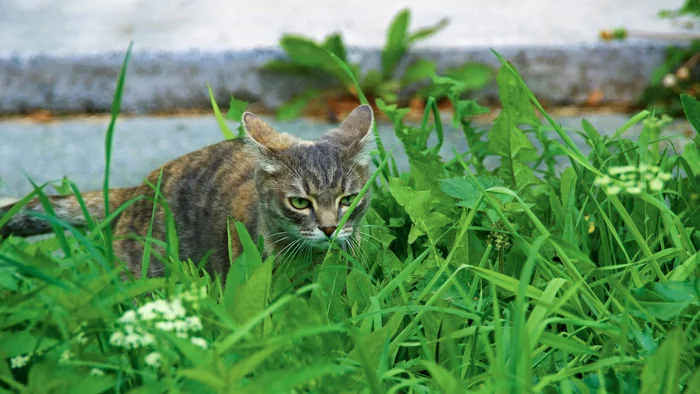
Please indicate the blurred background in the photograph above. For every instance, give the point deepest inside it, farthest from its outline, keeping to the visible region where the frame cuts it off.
(59, 63)
(84, 26)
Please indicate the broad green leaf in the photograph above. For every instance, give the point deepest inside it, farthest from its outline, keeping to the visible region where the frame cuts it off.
(18, 343)
(464, 189)
(205, 376)
(419, 70)
(473, 76)
(285, 380)
(305, 52)
(426, 32)
(505, 137)
(691, 153)
(419, 206)
(360, 289)
(369, 350)
(667, 300)
(252, 297)
(396, 43)
(334, 43)
(662, 371)
(294, 107)
(691, 107)
(443, 379)
(331, 283)
(241, 369)
(236, 108)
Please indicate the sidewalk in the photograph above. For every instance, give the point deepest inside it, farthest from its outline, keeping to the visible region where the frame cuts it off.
(75, 148)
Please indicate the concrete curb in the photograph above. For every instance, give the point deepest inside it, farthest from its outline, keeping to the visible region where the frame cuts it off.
(167, 81)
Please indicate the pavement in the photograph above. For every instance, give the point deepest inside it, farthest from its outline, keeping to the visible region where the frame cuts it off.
(64, 56)
(75, 147)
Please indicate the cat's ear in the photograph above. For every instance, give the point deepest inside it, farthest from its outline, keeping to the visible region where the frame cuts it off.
(258, 131)
(263, 139)
(355, 133)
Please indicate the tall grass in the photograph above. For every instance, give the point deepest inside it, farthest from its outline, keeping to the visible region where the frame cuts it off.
(510, 281)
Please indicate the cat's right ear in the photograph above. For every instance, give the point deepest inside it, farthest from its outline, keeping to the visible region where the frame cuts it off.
(258, 132)
(263, 139)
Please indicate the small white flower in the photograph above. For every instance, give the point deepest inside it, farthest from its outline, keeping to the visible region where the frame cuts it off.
(201, 342)
(194, 323)
(602, 180)
(180, 325)
(621, 170)
(81, 338)
(96, 372)
(656, 184)
(634, 190)
(19, 361)
(683, 73)
(132, 341)
(153, 359)
(175, 310)
(628, 184)
(117, 339)
(128, 317)
(614, 189)
(165, 325)
(182, 335)
(147, 314)
(147, 339)
(664, 176)
(629, 176)
(669, 81)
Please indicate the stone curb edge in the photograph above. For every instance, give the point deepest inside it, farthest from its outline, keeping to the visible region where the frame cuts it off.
(167, 81)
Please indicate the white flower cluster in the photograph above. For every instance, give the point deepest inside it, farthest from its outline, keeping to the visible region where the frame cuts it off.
(19, 361)
(161, 315)
(632, 179)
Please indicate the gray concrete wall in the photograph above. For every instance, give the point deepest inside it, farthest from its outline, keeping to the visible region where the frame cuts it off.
(64, 55)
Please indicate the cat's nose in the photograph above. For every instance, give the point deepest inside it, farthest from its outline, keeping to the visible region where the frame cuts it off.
(327, 230)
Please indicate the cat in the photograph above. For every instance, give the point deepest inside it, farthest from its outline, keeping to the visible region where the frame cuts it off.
(291, 192)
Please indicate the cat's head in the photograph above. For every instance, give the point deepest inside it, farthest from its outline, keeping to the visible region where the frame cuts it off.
(305, 187)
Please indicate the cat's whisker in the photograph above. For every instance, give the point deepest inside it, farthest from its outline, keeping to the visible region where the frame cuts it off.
(286, 247)
(368, 238)
(293, 253)
(277, 241)
(289, 254)
(359, 253)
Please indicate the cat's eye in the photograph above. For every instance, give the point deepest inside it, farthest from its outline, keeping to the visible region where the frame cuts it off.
(347, 200)
(299, 203)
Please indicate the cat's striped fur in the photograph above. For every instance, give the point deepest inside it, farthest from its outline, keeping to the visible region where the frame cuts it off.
(251, 180)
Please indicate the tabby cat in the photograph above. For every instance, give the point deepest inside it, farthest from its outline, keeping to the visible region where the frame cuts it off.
(290, 191)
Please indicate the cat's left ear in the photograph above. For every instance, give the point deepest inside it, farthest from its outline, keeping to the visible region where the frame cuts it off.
(355, 133)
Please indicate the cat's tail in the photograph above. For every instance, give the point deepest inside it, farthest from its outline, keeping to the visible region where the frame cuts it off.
(66, 208)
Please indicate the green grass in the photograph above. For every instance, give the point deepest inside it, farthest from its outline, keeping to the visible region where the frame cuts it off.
(523, 279)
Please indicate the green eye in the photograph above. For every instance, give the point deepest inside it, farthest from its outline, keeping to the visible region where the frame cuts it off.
(299, 203)
(347, 200)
